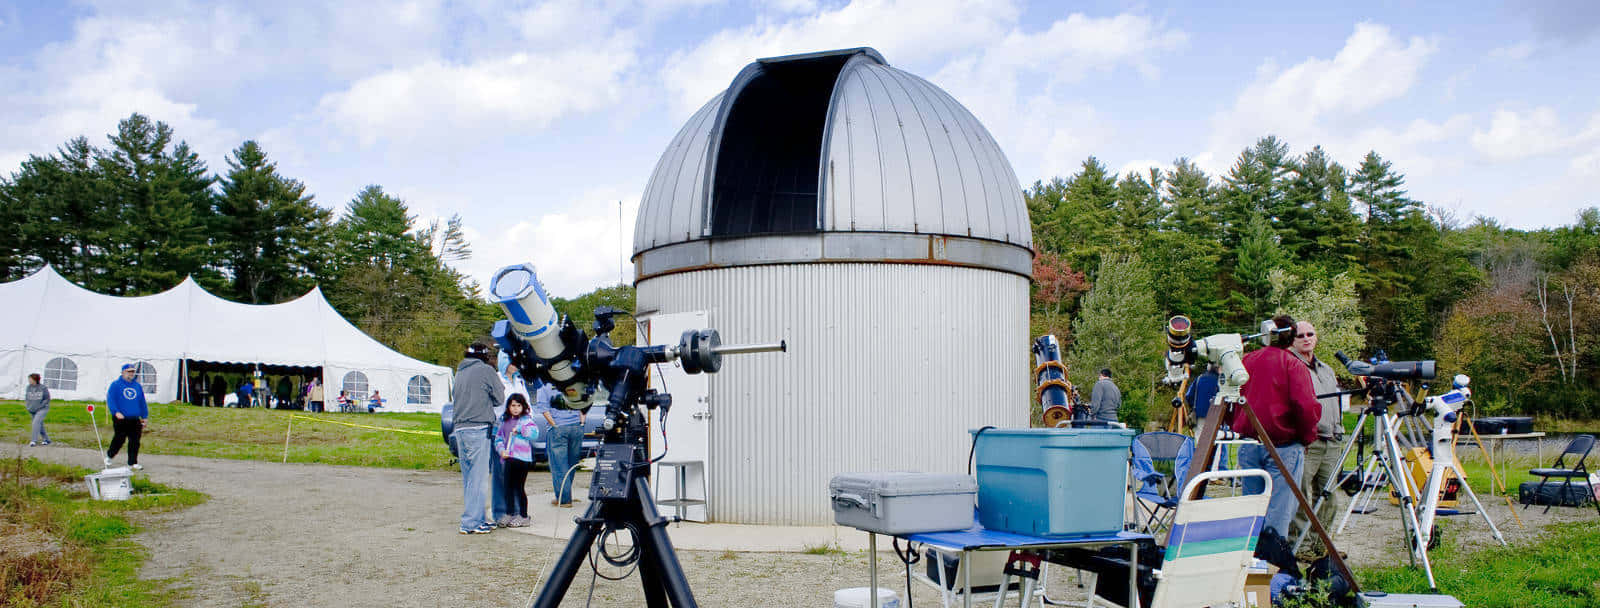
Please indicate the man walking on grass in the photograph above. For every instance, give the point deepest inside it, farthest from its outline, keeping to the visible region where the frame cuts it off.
(477, 391)
(125, 401)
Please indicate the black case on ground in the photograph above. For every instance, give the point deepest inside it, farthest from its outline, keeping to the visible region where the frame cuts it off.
(1576, 495)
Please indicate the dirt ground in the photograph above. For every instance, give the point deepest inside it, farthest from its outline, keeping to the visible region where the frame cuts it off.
(316, 535)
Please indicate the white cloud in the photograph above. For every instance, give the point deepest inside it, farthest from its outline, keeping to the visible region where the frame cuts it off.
(575, 248)
(1512, 135)
(1515, 52)
(904, 30)
(1013, 78)
(1373, 67)
(519, 91)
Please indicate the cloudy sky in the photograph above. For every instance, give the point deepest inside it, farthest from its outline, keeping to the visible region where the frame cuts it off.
(535, 120)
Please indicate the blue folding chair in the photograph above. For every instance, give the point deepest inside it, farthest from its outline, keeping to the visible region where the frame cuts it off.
(1157, 495)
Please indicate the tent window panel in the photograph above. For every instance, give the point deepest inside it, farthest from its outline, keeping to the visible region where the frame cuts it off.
(419, 391)
(145, 375)
(355, 386)
(61, 373)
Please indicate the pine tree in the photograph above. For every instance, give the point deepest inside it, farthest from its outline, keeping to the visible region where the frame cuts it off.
(1118, 327)
(1323, 229)
(161, 200)
(1259, 254)
(1195, 208)
(272, 234)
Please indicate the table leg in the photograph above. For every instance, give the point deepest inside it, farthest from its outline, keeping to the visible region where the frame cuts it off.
(966, 579)
(872, 569)
(1133, 575)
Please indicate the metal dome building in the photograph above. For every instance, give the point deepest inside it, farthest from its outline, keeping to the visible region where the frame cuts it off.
(864, 215)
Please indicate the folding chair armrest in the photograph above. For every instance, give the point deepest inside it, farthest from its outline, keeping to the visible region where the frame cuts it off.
(1206, 477)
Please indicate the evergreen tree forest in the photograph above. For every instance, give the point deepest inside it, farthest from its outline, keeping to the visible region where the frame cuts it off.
(1346, 248)
(138, 214)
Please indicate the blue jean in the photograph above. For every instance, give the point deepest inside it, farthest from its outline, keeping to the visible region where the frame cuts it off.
(565, 448)
(497, 481)
(474, 451)
(37, 432)
(1281, 507)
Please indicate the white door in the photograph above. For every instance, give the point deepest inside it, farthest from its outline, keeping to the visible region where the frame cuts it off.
(687, 437)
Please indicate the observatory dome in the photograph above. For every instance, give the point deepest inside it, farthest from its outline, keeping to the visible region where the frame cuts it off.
(832, 156)
(863, 215)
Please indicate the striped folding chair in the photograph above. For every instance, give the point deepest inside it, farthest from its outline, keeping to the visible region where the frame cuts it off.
(1211, 545)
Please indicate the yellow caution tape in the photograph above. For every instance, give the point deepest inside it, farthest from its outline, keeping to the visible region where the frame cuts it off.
(365, 426)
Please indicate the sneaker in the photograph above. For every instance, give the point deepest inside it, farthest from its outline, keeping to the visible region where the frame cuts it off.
(46, 442)
(136, 467)
(32, 444)
(522, 522)
(481, 529)
(566, 505)
(108, 462)
(504, 521)
(554, 502)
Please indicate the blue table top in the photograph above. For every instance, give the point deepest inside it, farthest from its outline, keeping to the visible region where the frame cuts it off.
(978, 537)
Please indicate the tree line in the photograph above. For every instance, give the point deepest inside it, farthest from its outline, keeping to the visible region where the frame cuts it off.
(137, 215)
(1347, 249)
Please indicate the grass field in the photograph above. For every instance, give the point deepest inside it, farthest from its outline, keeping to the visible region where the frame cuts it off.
(1559, 571)
(60, 548)
(254, 434)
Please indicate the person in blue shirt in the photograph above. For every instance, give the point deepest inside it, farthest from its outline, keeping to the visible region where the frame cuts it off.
(245, 390)
(125, 401)
(1202, 391)
(564, 442)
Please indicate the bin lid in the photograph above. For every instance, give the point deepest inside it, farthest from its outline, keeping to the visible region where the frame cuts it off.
(904, 483)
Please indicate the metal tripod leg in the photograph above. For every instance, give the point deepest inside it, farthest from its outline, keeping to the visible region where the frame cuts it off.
(1334, 481)
(1483, 512)
(1408, 507)
(1366, 466)
(659, 570)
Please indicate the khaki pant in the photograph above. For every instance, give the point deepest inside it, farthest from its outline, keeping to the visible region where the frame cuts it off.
(1321, 464)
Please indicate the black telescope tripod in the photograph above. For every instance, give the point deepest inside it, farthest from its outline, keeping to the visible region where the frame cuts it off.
(619, 495)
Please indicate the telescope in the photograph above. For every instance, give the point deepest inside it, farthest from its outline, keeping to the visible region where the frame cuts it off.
(545, 345)
(1393, 370)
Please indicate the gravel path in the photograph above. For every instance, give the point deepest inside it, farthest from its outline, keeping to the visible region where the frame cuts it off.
(317, 535)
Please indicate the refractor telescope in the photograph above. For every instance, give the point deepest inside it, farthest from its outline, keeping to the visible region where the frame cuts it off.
(546, 345)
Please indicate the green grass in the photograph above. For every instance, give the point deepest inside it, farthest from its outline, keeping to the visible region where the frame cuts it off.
(60, 548)
(254, 434)
(1558, 571)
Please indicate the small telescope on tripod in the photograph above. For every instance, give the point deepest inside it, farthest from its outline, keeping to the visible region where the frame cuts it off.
(590, 371)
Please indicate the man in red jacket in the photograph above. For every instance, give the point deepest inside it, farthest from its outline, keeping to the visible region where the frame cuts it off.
(1280, 394)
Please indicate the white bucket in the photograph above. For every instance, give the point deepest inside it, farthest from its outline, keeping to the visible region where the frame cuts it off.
(857, 597)
(110, 484)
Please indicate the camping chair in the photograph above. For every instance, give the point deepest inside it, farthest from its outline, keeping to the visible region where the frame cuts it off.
(1581, 446)
(1157, 496)
(1210, 548)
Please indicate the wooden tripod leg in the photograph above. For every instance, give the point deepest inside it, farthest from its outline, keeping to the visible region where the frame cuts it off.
(1305, 507)
(1494, 475)
(1205, 447)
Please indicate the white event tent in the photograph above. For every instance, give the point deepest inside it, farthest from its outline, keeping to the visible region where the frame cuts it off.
(78, 340)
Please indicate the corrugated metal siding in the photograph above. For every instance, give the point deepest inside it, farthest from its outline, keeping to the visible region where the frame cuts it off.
(900, 155)
(888, 367)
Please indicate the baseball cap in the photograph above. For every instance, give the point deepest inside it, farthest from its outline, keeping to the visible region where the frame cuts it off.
(129, 366)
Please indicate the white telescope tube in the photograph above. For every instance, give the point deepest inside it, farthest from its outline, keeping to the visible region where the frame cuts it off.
(518, 292)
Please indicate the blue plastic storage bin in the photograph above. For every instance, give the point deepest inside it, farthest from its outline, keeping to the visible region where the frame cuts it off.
(1053, 482)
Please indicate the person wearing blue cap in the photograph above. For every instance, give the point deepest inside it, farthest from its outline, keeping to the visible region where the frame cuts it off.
(125, 401)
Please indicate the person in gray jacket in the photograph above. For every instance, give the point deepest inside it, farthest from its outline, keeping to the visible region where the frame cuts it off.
(1322, 456)
(37, 398)
(1105, 399)
(477, 392)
